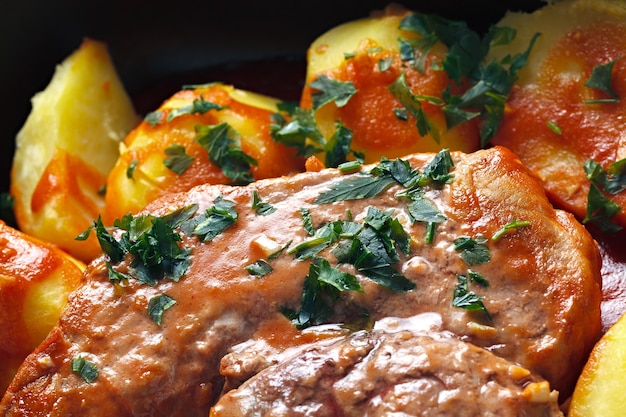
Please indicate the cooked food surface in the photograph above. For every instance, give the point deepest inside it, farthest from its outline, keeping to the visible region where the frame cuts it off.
(35, 279)
(400, 367)
(567, 107)
(524, 280)
(214, 134)
(599, 390)
(66, 148)
(366, 55)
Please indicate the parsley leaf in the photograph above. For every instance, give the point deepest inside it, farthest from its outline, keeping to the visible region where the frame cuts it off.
(261, 207)
(295, 132)
(322, 286)
(86, 369)
(473, 251)
(177, 160)
(259, 268)
(600, 79)
(355, 188)
(307, 221)
(512, 225)
(600, 210)
(331, 90)
(223, 145)
(466, 299)
(213, 221)
(157, 306)
(199, 106)
(132, 167)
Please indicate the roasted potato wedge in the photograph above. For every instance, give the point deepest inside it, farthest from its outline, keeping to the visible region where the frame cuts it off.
(35, 279)
(568, 106)
(206, 134)
(66, 148)
(600, 388)
(365, 53)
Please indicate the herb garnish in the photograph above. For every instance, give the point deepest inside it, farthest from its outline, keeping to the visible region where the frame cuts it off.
(473, 251)
(512, 225)
(331, 90)
(199, 106)
(600, 209)
(223, 144)
(177, 158)
(130, 170)
(151, 240)
(157, 305)
(469, 300)
(261, 207)
(259, 268)
(490, 82)
(600, 79)
(213, 221)
(322, 286)
(86, 369)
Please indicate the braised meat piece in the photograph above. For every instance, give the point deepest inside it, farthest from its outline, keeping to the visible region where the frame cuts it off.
(470, 237)
(399, 368)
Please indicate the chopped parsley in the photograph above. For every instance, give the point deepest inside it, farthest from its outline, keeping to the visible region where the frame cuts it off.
(259, 269)
(466, 299)
(600, 79)
(85, 369)
(157, 306)
(132, 167)
(152, 242)
(198, 106)
(601, 209)
(473, 251)
(321, 288)
(223, 144)
(307, 221)
(553, 126)
(261, 207)
(217, 218)
(331, 90)
(177, 158)
(512, 225)
(490, 82)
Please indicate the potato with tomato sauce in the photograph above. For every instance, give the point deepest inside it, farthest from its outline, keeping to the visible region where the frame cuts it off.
(35, 279)
(213, 133)
(565, 116)
(67, 146)
(387, 78)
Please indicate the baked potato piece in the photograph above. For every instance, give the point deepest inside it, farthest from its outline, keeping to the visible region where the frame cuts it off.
(66, 148)
(364, 55)
(212, 134)
(600, 388)
(35, 279)
(565, 117)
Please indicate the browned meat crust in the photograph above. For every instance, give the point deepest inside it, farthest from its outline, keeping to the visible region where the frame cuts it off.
(543, 294)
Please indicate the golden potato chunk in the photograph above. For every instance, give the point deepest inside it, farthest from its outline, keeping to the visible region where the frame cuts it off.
(365, 54)
(66, 148)
(600, 388)
(565, 117)
(35, 279)
(212, 134)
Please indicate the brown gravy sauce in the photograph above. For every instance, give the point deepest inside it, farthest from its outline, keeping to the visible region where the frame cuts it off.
(283, 78)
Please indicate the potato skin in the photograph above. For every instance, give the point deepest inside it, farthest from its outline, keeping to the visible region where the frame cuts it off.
(35, 279)
(246, 112)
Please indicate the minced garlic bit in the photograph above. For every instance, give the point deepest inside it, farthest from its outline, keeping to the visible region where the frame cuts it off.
(481, 330)
(517, 372)
(45, 361)
(538, 392)
(266, 245)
